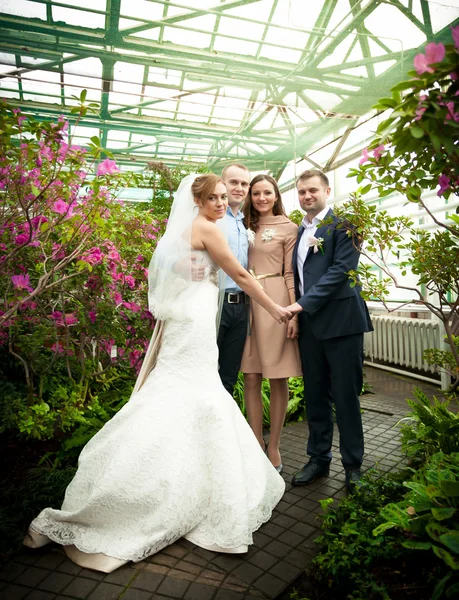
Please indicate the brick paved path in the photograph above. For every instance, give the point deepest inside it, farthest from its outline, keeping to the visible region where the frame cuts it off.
(282, 548)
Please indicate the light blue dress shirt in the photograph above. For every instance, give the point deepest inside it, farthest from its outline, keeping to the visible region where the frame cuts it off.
(239, 244)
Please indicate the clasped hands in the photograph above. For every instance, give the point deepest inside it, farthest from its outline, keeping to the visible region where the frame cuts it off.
(287, 313)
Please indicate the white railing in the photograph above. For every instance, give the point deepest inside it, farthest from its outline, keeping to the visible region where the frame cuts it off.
(398, 343)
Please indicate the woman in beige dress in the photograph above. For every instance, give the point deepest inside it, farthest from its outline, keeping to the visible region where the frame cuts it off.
(271, 350)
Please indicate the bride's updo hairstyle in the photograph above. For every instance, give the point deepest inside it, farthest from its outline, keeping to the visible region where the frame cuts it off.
(204, 186)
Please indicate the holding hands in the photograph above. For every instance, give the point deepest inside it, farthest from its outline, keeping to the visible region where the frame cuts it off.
(279, 313)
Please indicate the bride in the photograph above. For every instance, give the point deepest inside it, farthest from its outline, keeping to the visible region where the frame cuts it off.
(178, 460)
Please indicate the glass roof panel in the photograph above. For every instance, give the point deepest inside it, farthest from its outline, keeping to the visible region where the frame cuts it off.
(268, 80)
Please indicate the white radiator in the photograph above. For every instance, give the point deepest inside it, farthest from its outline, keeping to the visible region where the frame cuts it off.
(401, 342)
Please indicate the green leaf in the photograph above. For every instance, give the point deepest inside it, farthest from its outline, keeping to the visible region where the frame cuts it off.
(403, 85)
(435, 530)
(366, 189)
(449, 559)
(443, 513)
(451, 541)
(416, 132)
(436, 142)
(439, 588)
(417, 545)
(453, 591)
(83, 95)
(449, 488)
(386, 103)
(95, 140)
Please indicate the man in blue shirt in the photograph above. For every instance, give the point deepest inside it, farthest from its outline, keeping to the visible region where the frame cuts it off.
(233, 324)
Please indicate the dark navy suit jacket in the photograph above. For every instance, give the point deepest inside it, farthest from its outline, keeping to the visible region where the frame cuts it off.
(332, 306)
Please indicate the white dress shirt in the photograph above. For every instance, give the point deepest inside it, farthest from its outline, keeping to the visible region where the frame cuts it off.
(303, 247)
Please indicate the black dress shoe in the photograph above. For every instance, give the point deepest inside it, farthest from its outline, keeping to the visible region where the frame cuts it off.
(309, 473)
(353, 477)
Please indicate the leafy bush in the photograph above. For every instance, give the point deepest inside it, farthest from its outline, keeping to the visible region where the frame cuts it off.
(348, 548)
(73, 287)
(428, 516)
(295, 407)
(429, 428)
(21, 503)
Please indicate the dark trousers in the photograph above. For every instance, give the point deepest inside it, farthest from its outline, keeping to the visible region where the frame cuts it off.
(333, 373)
(231, 341)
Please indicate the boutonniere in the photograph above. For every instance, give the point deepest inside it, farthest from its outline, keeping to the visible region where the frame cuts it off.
(316, 243)
(251, 237)
(268, 235)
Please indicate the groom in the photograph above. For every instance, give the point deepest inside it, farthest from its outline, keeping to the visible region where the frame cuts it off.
(332, 318)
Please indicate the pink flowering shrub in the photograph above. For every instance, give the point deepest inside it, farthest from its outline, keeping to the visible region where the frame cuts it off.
(415, 152)
(74, 322)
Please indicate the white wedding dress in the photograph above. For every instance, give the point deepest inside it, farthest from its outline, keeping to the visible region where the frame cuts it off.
(178, 460)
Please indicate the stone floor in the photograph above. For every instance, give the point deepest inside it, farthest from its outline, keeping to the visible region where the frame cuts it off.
(282, 548)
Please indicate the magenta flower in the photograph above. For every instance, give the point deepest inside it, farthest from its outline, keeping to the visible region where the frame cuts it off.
(444, 183)
(378, 152)
(21, 239)
(365, 156)
(455, 34)
(93, 256)
(92, 316)
(60, 207)
(37, 221)
(107, 167)
(451, 112)
(61, 320)
(130, 281)
(435, 53)
(132, 306)
(58, 348)
(22, 282)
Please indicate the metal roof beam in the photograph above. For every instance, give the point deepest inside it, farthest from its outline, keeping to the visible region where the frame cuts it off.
(329, 48)
(191, 14)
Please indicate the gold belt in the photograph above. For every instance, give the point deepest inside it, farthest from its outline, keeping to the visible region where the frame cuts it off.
(263, 276)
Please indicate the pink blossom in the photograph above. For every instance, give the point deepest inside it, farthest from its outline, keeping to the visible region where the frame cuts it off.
(92, 316)
(61, 207)
(61, 119)
(29, 304)
(420, 110)
(378, 152)
(63, 319)
(113, 254)
(37, 221)
(455, 34)
(451, 112)
(444, 183)
(130, 281)
(118, 298)
(58, 348)
(107, 167)
(435, 53)
(365, 156)
(132, 306)
(93, 256)
(134, 357)
(140, 258)
(22, 238)
(22, 282)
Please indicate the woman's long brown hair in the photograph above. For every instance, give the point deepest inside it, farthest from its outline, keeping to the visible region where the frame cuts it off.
(251, 215)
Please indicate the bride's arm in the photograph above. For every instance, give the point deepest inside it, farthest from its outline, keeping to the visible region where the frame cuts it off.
(217, 246)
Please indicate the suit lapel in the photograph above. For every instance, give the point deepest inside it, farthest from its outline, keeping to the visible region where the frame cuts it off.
(295, 249)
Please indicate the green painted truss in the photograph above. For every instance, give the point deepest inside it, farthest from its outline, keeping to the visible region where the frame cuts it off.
(263, 82)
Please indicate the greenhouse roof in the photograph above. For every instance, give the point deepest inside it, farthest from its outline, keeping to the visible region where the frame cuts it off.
(213, 81)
